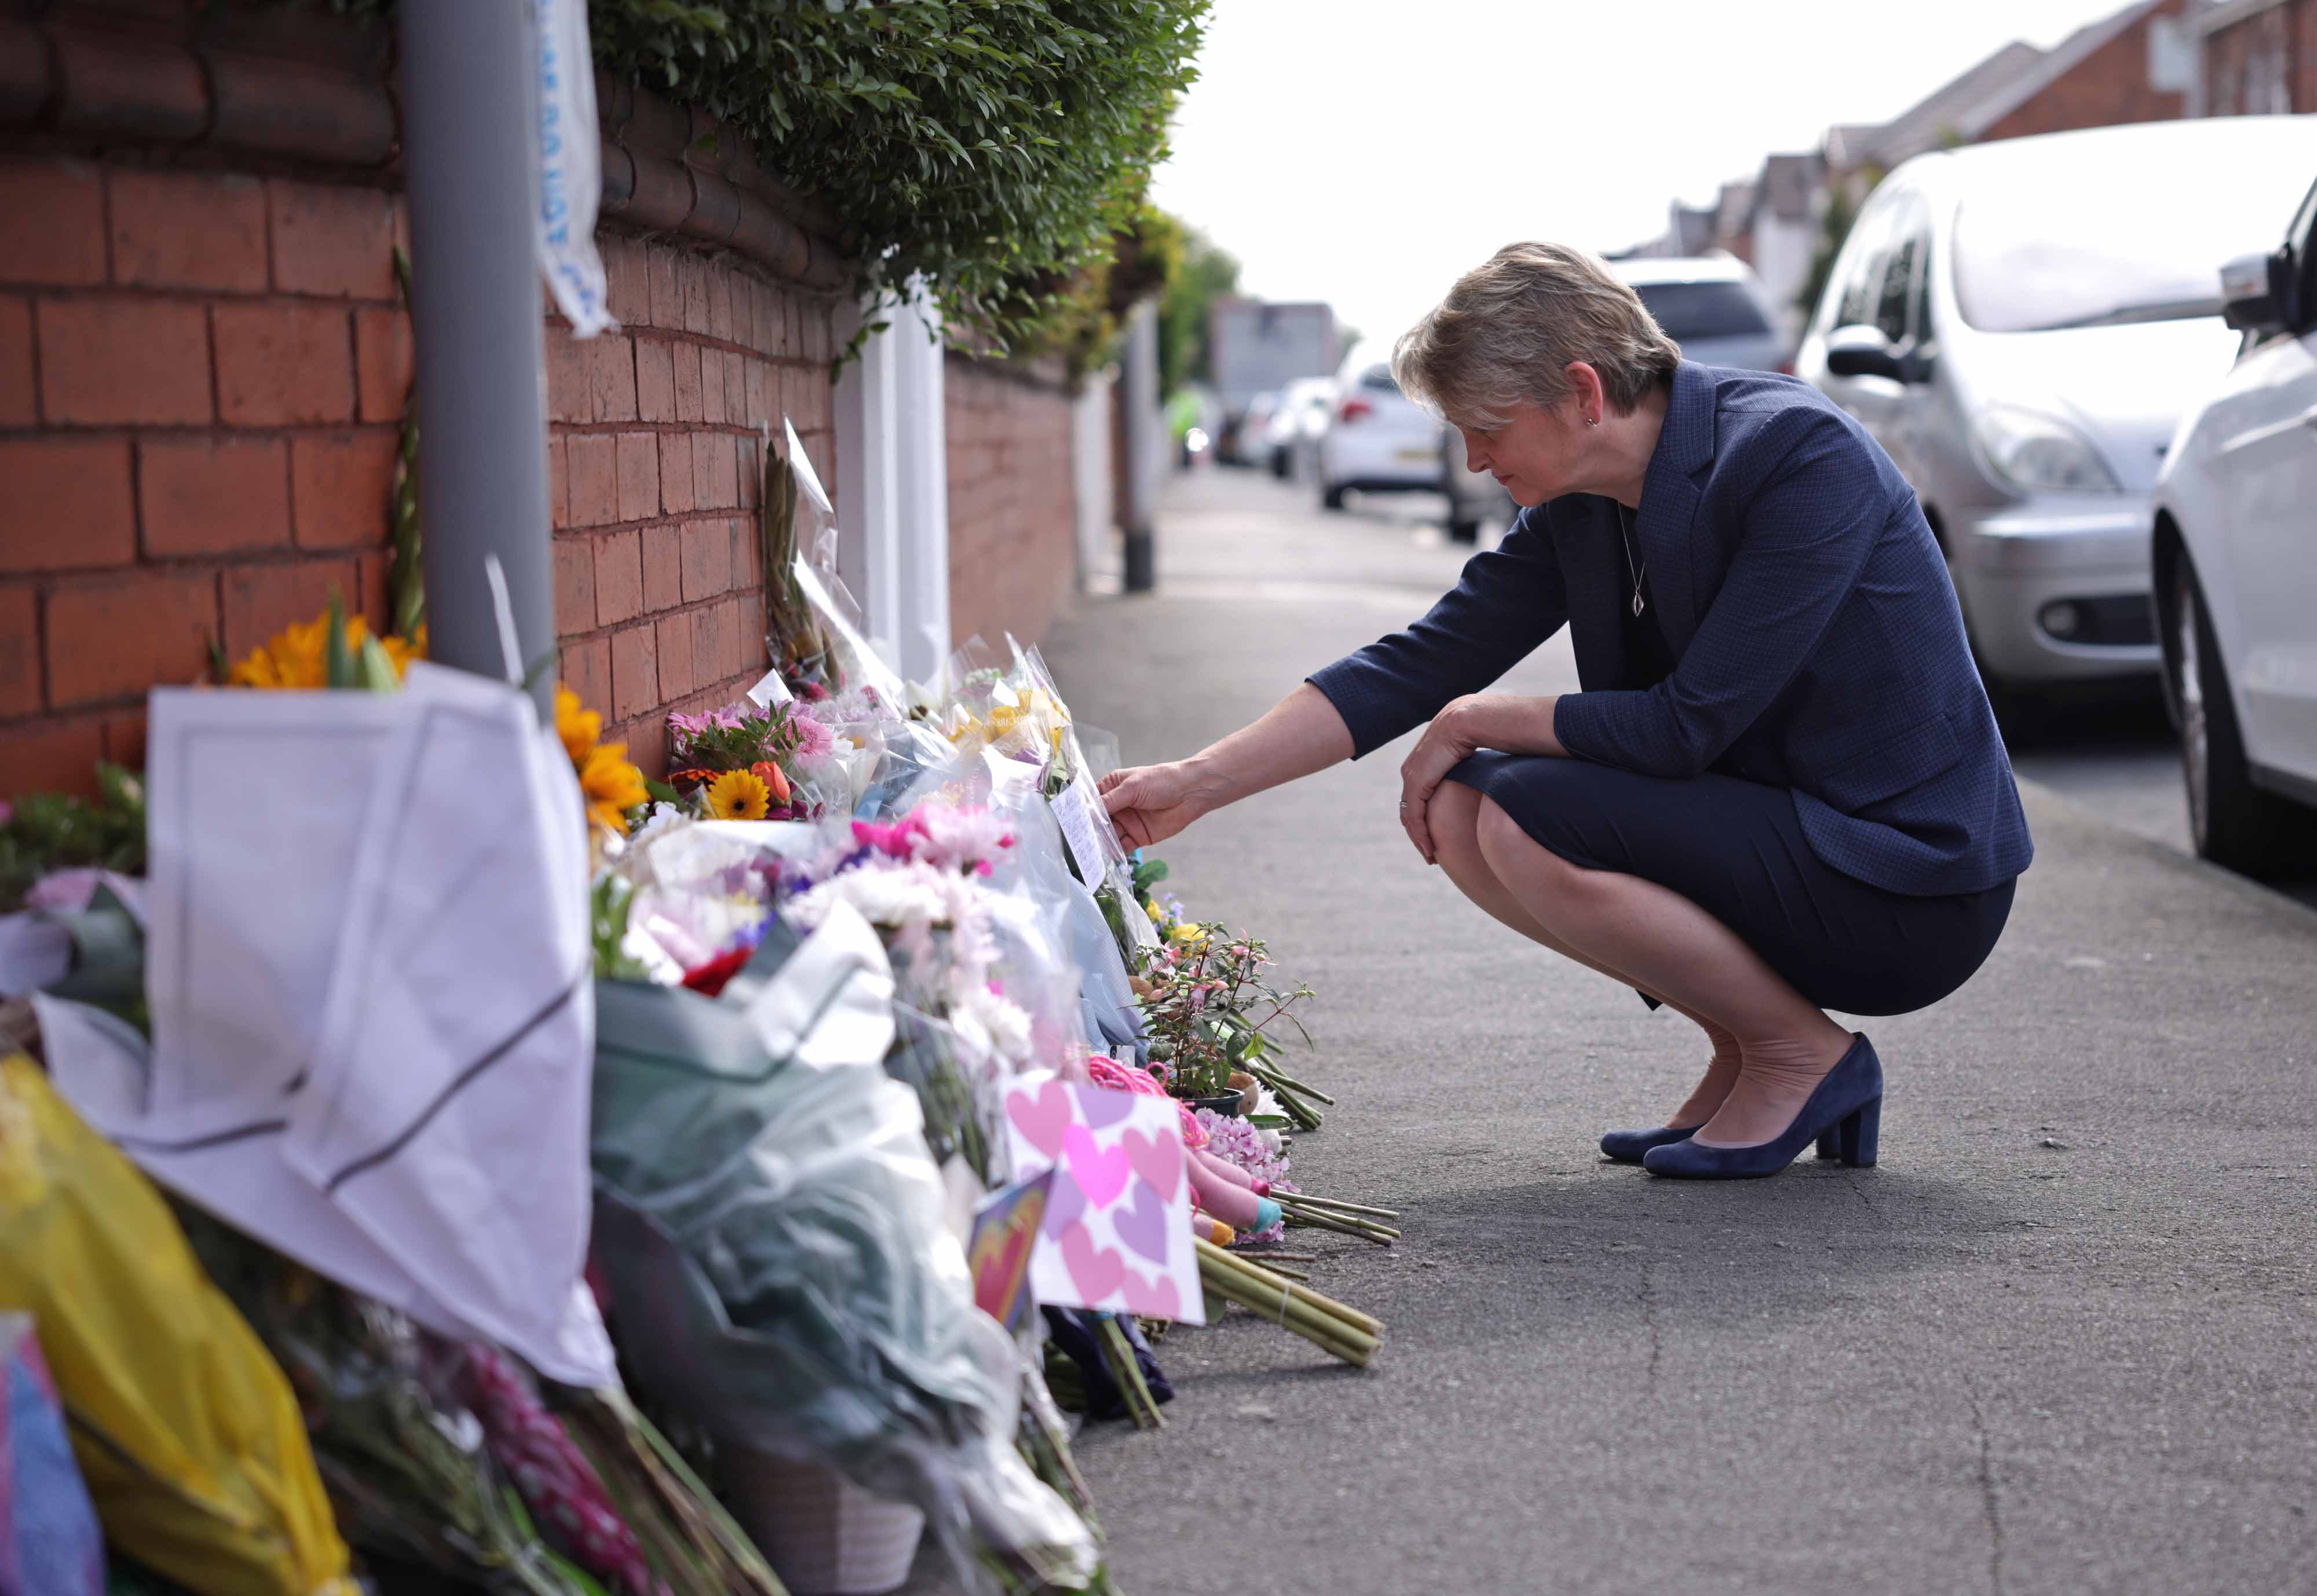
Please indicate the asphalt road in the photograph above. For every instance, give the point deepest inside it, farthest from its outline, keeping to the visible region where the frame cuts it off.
(2060, 1341)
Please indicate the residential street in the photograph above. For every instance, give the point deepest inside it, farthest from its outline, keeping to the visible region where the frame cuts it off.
(2057, 1341)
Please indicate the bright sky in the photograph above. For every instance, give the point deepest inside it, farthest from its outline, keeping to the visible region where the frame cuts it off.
(1367, 151)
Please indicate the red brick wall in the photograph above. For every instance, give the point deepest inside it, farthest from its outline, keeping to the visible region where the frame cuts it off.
(200, 374)
(2106, 88)
(1012, 504)
(656, 458)
(2250, 48)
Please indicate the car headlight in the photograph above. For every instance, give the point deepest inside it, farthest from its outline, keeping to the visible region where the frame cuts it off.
(2043, 454)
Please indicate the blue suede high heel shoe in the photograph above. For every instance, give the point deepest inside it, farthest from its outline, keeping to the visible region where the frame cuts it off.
(1843, 1116)
(1626, 1147)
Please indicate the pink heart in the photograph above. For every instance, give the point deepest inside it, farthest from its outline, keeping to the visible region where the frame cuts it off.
(1064, 1203)
(1158, 1299)
(1096, 1272)
(1099, 1107)
(1043, 1119)
(1158, 1158)
(1143, 1227)
(1101, 1172)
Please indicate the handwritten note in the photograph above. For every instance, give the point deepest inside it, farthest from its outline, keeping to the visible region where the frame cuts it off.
(1071, 809)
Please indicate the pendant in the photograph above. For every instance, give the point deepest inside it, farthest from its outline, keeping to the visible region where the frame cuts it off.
(1637, 604)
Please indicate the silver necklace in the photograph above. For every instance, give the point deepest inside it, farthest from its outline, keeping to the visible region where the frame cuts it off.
(1624, 542)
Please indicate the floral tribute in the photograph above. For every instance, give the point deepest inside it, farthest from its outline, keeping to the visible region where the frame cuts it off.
(743, 762)
(957, 824)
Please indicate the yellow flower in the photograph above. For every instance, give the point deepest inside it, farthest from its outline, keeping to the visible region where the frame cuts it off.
(400, 652)
(1156, 918)
(578, 728)
(297, 656)
(611, 785)
(738, 795)
(1186, 932)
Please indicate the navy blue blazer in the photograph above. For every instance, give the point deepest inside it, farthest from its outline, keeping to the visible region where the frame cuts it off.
(1818, 643)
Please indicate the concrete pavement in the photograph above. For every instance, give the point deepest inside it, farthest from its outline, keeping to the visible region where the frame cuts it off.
(2060, 1341)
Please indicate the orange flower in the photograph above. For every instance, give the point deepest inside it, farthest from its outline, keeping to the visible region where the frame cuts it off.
(611, 785)
(296, 657)
(578, 728)
(775, 780)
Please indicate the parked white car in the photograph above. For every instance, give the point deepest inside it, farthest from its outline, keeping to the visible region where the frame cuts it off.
(2020, 325)
(2234, 556)
(1305, 406)
(1378, 439)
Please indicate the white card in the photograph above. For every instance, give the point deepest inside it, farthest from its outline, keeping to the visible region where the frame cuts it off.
(769, 692)
(1069, 806)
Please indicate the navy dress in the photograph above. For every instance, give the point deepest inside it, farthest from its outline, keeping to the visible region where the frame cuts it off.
(1791, 734)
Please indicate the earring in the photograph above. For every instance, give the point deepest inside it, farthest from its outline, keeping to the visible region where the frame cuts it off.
(1592, 421)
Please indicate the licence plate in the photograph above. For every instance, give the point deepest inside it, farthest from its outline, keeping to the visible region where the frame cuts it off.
(1413, 456)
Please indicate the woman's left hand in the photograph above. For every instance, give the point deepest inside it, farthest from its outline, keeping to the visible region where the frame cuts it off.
(1444, 744)
(1513, 725)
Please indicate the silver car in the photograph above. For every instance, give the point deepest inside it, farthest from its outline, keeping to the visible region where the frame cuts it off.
(2021, 325)
(1712, 306)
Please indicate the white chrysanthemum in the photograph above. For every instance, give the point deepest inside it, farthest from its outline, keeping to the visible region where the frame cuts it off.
(894, 894)
(660, 816)
(994, 1023)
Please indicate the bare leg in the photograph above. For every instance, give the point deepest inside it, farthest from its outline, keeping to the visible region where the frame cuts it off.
(1666, 945)
(1454, 818)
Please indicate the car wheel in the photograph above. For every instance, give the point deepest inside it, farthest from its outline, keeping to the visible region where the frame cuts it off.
(1464, 529)
(1280, 468)
(1332, 496)
(2231, 821)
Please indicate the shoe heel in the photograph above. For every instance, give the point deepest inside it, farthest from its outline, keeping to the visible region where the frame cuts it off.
(1829, 1143)
(1860, 1137)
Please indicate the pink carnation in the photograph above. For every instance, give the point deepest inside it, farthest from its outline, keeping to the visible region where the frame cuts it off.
(814, 741)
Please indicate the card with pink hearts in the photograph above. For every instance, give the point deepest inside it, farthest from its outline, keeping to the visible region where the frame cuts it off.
(1116, 1233)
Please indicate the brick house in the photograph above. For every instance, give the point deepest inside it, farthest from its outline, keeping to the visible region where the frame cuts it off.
(2258, 57)
(204, 362)
(2138, 65)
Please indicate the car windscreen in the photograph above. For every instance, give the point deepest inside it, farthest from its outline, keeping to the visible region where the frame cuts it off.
(1704, 309)
(2094, 251)
(1378, 377)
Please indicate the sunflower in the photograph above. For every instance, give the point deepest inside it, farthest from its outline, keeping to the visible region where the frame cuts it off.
(611, 785)
(297, 656)
(401, 652)
(578, 728)
(738, 795)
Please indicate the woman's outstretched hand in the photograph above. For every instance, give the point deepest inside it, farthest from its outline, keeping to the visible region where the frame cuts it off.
(1151, 802)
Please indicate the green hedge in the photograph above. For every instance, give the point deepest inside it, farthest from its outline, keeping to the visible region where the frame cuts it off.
(993, 145)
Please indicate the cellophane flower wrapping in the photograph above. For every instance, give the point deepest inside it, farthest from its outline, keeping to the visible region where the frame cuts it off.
(772, 1226)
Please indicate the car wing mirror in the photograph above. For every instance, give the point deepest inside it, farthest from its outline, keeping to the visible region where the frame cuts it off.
(2256, 292)
(1862, 351)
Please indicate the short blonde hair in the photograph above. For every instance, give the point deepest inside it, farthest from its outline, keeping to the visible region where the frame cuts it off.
(1506, 332)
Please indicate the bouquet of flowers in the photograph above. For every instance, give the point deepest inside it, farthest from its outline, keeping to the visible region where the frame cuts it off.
(751, 762)
(1211, 1008)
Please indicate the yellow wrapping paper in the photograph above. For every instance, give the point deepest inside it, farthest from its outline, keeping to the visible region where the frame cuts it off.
(183, 1425)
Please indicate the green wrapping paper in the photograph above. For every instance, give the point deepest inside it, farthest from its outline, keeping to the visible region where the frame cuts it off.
(770, 1225)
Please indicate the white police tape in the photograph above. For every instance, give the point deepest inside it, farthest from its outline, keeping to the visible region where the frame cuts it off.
(570, 165)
